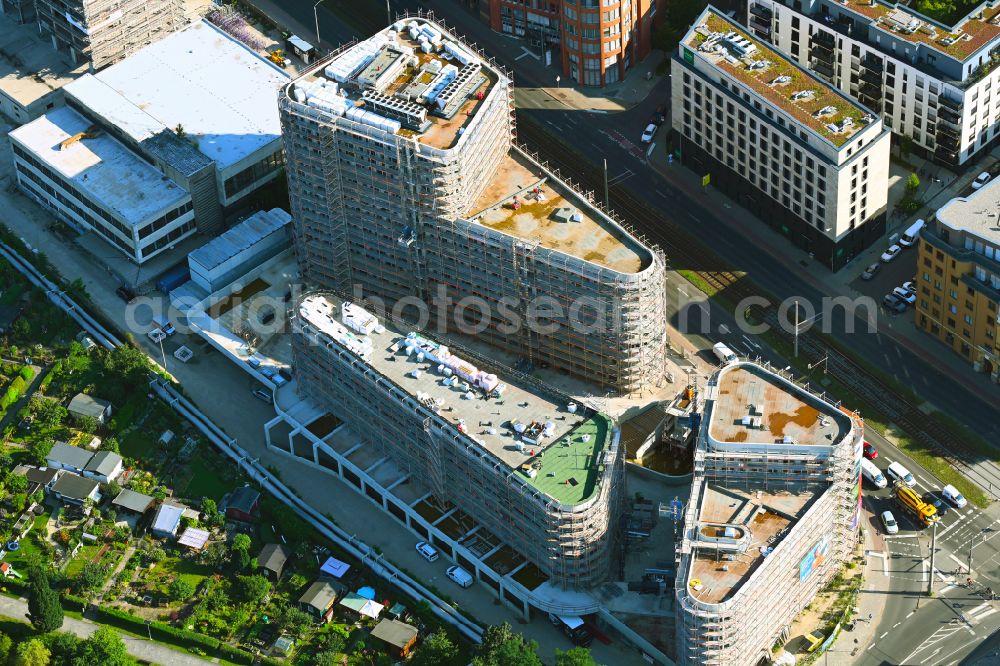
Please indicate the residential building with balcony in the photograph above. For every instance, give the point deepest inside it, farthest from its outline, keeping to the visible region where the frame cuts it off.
(786, 145)
(934, 84)
(958, 278)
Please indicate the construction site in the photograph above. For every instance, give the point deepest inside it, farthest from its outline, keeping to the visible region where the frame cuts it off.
(496, 451)
(103, 32)
(773, 513)
(405, 181)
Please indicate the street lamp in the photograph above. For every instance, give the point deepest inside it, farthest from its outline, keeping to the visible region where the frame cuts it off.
(316, 16)
(799, 324)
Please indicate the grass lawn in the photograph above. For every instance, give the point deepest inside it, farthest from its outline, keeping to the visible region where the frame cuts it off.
(137, 445)
(203, 479)
(86, 554)
(187, 570)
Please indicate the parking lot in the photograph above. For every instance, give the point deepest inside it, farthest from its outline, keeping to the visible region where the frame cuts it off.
(892, 274)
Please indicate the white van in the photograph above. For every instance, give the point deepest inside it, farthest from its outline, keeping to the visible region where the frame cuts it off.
(951, 494)
(897, 472)
(872, 473)
(460, 576)
(910, 236)
(724, 353)
(574, 627)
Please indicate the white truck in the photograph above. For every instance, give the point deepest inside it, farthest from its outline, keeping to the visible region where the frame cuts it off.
(873, 473)
(724, 353)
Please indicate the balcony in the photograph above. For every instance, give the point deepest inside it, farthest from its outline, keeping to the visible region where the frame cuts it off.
(946, 155)
(762, 12)
(872, 77)
(761, 26)
(872, 63)
(870, 91)
(822, 68)
(825, 39)
(949, 115)
(948, 140)
(952, 127)
(948, 103)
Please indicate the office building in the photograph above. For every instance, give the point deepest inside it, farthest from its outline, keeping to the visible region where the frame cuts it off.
(784, 144)
(773, 514)
(404, 183)
(594, 42)
(958, 278)
(190, 121)
(103, 32)
(516, 459)
(930, 81)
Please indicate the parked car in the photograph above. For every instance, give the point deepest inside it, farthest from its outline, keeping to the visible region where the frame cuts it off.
(910, 286)
(891, 253)
(647, 136)
(871, 272)
(263, 394)
(459, 576)
(889, 521)
(427, 551)
(951, 494)
(897, 472)
(870, 452)
(894, 303)
(660, 115)
(907, 297)
(981, 180)
(939, 505)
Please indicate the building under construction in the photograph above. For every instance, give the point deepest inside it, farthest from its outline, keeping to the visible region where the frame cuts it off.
(103, 32)
(405, 183)
(773, 514)
(491, 451)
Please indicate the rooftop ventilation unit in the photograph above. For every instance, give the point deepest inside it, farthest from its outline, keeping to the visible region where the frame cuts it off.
(803, 94)
(467, 78)
(781, 80)
(409, 114)
(740, 44)
(825, 111)
(760, 64)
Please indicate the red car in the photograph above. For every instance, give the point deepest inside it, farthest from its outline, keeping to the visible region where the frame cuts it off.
(870, 452)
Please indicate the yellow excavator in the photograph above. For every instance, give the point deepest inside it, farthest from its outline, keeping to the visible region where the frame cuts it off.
(277, 57)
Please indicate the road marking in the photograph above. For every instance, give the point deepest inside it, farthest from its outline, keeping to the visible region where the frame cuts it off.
(528, 53)
(906, 372)
(903, 536)
(662, 194)
(595, 145)
(883, 635)
(961, 564)
(896, 625)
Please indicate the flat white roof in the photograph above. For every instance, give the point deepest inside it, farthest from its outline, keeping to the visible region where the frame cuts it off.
(223, 93)
(102, 168)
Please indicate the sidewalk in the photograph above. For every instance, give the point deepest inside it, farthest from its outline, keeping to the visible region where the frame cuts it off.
(765, 240)
(146, 650)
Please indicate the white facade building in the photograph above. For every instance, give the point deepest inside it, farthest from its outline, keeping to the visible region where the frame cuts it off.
(931, 82)
(94, 183)
(782, 142)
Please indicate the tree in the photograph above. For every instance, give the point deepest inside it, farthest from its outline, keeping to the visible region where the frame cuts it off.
(110, 444)
(329, 658)
(87, 423)
(241, 542)
(912, 184)
(48, 413)
(241, 551)
(104, 648)
(17, 483)
(181, 590)
(436, 649)
(44, 609)
(39, 450)
(32, 652)
(294, 621)
(5, 646)
(180, 131)
(502, 647)
(90, 577)
(578, 656)
(251, 589)
(211, 511)
(63, 647)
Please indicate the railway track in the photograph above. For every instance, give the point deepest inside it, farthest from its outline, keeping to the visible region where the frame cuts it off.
(676, 241)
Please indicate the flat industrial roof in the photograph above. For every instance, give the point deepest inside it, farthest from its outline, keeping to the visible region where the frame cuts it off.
(566, 461)
(101, 167)
(814, 103)
(560, 219)
(747, 391)
(37, 70)
(222, 92)
(760, 517)
(977, 213)
(363, 66)
(244, 235)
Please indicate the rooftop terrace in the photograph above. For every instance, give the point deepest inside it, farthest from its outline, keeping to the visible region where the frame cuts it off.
(218, 89)
(779, 80)
(754, 406)
(411, 79)
(97, 164)
(521, 202)
(556, 450)
(977, 213)
(965, 38)
(757, 521)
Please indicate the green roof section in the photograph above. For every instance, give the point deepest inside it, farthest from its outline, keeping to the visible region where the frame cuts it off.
(568, 469)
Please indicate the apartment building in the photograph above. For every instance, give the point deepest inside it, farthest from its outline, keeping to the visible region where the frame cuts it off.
(958, 278)
(933, 83)
(595, 42)
(404, 185)
(196, 109)
(503, 457)
(103, 32)
(774, 512)
(786, 145)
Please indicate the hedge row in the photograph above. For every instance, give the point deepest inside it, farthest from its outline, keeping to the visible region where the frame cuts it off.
(14, 392)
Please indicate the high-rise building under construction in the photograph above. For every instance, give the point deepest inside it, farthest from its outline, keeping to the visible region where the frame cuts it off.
(405, 183)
